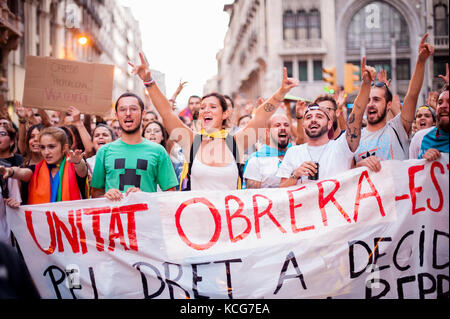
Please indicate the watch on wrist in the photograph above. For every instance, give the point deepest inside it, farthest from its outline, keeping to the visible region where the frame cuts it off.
(293, 176)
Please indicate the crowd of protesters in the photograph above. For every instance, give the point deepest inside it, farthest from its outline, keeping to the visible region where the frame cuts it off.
(53, 156)
(57, 156)
(213, 145)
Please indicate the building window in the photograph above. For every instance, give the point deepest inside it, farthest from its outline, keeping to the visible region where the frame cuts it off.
(288, 25)
(302, 25)
(440, 20)
(439, 65)
(317, 67)
(403, 70)
(289, 67)
(314, 24)
(374, 25)
(303, 71)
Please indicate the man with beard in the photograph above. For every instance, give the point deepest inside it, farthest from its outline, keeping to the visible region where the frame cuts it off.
(131, 163)
(386, 140)
(328, 102)
(431, 142)
(262, 166)
(333, 156)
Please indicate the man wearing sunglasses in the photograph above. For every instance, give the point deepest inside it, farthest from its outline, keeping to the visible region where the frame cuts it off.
(322, 156)
(386, 140)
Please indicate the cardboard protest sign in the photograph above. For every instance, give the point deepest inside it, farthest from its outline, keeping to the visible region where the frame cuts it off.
(56, 84)
(357, 235)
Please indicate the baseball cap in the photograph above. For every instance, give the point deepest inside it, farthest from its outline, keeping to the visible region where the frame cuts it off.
(324, 110)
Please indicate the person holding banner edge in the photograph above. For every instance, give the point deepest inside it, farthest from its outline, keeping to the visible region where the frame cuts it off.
(385, 140)
(301, 161)
(213, 156)
(131, 163)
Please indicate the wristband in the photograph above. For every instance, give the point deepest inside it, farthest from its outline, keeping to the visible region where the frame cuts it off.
(13, 171)
(77, 163)
(299, 117)
(149, 83)
(22, 120)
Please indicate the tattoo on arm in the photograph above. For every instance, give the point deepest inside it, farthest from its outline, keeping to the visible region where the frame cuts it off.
(351, 118)
(252, 183)
(269, 107)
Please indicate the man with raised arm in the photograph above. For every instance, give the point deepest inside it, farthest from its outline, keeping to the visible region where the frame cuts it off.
(386, 140)
(332, 156)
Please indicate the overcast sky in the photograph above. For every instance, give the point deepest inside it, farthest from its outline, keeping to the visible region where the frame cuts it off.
(181, 39)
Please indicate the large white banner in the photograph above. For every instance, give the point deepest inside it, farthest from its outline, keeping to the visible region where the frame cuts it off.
(357, 235)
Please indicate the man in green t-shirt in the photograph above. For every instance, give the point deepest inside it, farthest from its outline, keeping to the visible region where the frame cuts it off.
(131, 163)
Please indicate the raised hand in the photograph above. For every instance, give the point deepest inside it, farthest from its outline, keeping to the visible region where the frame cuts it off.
(425, 49)
(432, 99)
(382, 77)
(368, 73)
(181, 86)
(288, 83)
(141, 70)
(300, 107)
(75, 113)
(75, 157)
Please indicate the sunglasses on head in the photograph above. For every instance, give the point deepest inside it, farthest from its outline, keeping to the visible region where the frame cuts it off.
(379, 84)
(313, 106)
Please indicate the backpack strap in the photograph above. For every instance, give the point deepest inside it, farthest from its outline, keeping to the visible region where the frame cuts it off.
(232, 146)
(398, 138)
(186, 174)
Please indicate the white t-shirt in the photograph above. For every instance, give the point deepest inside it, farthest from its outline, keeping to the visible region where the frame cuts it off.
(206, 177)
(333, 158)
(416, 142)
(384, 143)
(264, 170)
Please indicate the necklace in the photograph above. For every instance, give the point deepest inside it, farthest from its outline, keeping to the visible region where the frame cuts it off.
(323, 151)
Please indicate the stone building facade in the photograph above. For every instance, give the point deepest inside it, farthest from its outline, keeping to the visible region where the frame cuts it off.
(307, 35)
(53, 28)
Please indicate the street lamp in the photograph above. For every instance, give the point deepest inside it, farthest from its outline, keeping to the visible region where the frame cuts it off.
(83, 40)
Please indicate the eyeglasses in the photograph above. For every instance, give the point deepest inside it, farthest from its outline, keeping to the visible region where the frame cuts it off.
(131, 108)
(379, 84)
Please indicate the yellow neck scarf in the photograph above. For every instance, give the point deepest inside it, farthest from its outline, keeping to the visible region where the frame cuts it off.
(218, 134)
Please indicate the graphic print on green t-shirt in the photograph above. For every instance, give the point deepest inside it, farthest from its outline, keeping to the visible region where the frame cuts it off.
(121, 166)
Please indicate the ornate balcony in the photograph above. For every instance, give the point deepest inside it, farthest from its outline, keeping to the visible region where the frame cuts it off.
(441, 42)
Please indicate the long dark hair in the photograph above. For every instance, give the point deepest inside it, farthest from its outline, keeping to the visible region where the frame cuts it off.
(165, 135)
(27, 151)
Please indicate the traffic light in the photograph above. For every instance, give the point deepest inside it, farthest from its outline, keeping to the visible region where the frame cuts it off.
(331, 79)
(350, 78)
